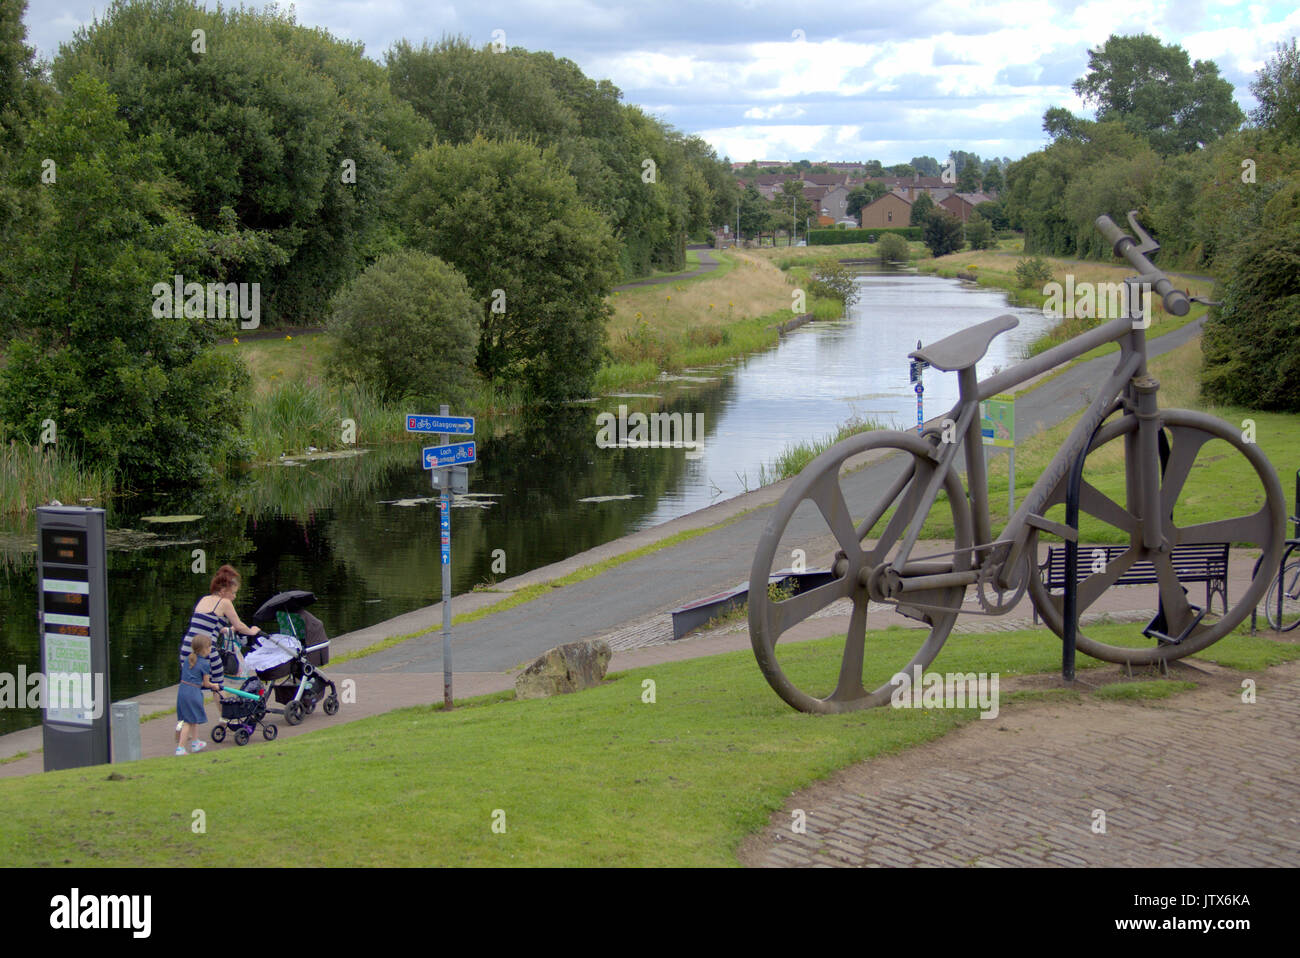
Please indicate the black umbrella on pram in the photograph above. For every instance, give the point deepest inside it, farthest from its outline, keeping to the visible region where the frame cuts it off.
(295, 600)
(296, 683)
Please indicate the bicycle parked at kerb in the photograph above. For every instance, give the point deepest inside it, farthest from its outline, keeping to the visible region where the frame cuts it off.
(878, 534)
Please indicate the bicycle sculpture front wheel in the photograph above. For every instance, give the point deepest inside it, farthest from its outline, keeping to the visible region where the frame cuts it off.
(1188, 496)
(865, 515)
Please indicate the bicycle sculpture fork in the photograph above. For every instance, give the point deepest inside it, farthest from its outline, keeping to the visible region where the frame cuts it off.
(876, 561)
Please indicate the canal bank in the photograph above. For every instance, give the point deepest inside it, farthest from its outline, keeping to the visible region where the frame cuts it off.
(638, 579)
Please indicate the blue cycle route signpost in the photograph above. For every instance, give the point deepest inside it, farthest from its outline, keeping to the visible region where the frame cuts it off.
(447, 464)
(914, 373)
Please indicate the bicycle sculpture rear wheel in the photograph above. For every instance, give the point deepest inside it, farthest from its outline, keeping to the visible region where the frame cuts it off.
(858, 565)
(1264, 529)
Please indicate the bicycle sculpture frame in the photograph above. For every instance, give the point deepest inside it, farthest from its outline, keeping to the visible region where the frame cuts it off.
(877, 562)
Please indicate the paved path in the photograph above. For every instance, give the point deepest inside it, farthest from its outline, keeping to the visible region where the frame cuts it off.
(651, 585)
(707, 265)
(1201, 779)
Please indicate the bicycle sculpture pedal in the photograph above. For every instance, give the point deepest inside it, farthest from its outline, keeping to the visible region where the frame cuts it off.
(878, 561)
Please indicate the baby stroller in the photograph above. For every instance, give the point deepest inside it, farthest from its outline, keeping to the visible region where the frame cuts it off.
(297, 649)
(244, 713)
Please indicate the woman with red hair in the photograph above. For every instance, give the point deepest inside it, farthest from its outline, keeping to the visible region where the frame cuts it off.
(214, 612)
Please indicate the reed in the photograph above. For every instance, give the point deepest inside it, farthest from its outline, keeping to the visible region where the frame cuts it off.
(31, 476)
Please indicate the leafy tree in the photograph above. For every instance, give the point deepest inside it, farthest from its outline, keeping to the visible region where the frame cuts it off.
(921, 208)
(509, 217)
(406, 328)
(979, 232)
(992, 182)
(1252, 342)
(994, 212)
(132, 386)
(893, 248)
(941, 233)
(1158, 94)
(1277, 88)
(968, 180)
(754, 212)
(900, 169)
(925, 165)
(864, 195)
(1059, 123)
(294, 130)
(791, 196)
(832, 279)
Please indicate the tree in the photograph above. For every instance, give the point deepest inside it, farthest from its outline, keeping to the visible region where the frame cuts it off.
(1251, 346)
(921, 208)
(992, 183)
(131, 385)
(753, 212)
(294, 130)
(1277, 88)
(407, 328)
(994, 212)
(968, 180)
(1059, 123)
(941, 233)
(925, 165)
(893, 248)
(979, 232)
(792, 199)
(864, 195)
(832, 279)
(1158, 94)
(537, 258)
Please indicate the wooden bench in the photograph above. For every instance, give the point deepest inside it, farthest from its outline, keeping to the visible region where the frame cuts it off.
(1193, 563)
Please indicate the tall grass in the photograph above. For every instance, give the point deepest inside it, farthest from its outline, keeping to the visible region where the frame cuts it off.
(297, 414)
(31, 476)
(792, 460)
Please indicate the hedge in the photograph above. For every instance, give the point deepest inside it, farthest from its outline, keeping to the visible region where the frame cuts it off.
(839, 237)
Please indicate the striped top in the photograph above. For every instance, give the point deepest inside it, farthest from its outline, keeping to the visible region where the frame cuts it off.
(209, 624)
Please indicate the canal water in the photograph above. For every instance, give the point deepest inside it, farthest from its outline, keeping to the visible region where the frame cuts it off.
(362, 532)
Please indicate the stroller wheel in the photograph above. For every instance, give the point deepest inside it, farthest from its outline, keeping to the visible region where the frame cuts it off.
(331, 705)
(269, 732)
(308, 704)
(219, 733)
(293, 713)
(241, 737)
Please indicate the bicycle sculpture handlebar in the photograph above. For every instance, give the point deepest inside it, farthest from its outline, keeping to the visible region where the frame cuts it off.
(1176, 302)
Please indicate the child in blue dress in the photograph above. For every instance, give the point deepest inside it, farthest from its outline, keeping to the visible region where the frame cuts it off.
(196, 675)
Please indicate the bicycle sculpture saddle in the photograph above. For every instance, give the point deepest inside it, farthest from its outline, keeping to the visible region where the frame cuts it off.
(966, 348)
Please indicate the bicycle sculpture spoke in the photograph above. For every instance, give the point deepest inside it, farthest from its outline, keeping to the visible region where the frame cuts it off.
(1181, 627)
(854, 567)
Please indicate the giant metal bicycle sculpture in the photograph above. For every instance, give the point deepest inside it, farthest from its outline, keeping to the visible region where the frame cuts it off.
(878, 561)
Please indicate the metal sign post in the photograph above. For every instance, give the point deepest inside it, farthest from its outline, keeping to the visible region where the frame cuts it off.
(71, 575)
(448, 477)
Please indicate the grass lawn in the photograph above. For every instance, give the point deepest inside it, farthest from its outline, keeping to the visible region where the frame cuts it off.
(598, 778)
(290, 358)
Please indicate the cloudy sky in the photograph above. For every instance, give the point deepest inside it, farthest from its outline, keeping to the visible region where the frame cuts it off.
(841, 80)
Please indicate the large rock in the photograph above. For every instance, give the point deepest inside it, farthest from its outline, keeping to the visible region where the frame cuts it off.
(567, 668)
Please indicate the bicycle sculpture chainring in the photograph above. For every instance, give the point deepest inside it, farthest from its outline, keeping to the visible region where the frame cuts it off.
(995, 601)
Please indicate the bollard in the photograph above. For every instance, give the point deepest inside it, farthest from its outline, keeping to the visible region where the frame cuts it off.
(126, 731)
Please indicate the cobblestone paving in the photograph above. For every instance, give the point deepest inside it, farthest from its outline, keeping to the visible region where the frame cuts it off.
(1199, 779)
